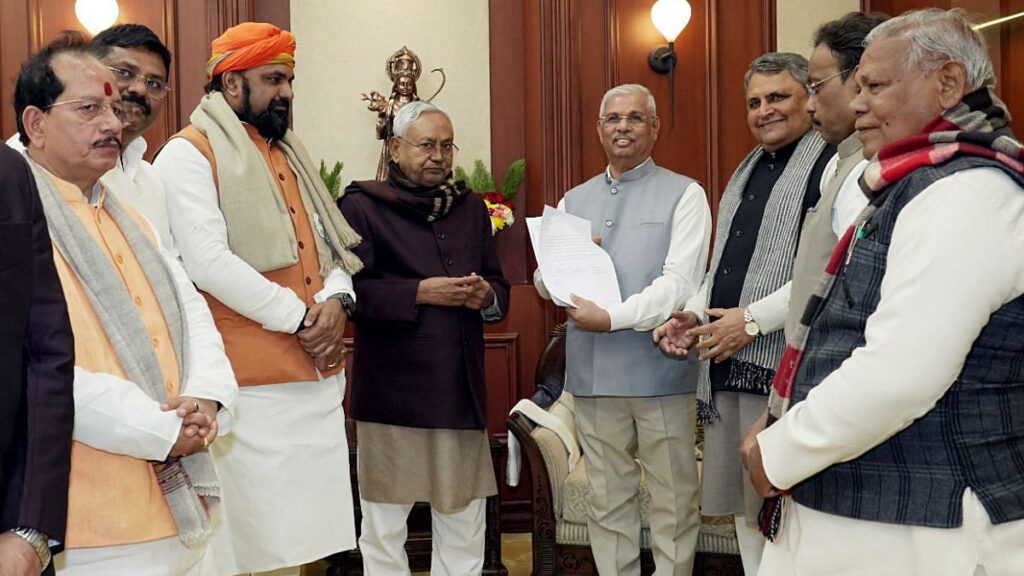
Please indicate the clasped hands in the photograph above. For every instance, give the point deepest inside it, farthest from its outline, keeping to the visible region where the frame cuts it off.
(716, 341)
(321, 333)
(198, 423)
(473, 291)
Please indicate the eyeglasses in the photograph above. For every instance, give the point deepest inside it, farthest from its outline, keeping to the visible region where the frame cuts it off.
(447, 149)
(633, 119)
(91, 107)
(156, 87)
(815, 87)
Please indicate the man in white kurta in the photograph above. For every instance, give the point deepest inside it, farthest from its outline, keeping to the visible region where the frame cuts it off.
(285, 471)
(905, 378)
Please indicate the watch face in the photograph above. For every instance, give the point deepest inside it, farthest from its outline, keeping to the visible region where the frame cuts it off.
(751, 328)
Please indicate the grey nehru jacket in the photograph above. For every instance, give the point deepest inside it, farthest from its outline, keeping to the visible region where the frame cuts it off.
(817, 239)
(633, 217)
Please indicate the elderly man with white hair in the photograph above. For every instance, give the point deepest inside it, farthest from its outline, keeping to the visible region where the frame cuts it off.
(431, 279)
(633, 402)
(902, 448)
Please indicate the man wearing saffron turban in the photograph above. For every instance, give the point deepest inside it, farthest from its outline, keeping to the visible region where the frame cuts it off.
(262, 239)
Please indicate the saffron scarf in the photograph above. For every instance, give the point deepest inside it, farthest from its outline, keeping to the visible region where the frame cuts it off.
(977, 126)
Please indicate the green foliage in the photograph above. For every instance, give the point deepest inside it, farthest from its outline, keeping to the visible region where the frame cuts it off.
(513, 179)
(332, 178)
(482, 181)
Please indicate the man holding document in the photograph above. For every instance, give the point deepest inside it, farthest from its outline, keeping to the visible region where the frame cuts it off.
(632, 401)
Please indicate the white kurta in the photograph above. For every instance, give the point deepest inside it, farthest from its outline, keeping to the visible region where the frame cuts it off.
(284, 472)
(954, 259)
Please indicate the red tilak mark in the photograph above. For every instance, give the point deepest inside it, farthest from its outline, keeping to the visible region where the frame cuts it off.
(108, 89)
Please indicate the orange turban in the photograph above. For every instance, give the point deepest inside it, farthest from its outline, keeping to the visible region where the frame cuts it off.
(249, 45)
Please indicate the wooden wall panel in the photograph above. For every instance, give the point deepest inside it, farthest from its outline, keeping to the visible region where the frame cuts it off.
(1011, 81)
(740, 30)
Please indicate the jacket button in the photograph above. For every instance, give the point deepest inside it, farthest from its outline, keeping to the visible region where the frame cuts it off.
(292, 208)
(451, 261)
(615, 190)
(609, 222)
(739, 233)
(727, 270)
(442, 235)
(280, 176)
(308, 280)
(301, 245)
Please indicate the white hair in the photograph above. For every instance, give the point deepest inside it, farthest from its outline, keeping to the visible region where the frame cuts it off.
(937, 36)
(410, 113)
(628, 90)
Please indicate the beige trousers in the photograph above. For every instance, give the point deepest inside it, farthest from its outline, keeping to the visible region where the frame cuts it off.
(813, 543)
(615, 433)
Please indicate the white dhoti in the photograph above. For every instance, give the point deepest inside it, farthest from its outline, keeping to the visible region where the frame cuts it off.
(284, 474)
(813, 543)
(165, 557)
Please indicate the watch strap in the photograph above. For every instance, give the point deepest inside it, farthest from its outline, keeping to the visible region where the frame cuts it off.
(38, 541)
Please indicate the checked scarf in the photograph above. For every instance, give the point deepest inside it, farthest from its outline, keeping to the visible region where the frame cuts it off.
(975, 127)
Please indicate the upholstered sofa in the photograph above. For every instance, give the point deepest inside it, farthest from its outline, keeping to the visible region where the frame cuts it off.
(561, 544)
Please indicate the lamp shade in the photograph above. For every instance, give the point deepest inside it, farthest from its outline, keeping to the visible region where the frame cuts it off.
(96, 15)
(670, 17)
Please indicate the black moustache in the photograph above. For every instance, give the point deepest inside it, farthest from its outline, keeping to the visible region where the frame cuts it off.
(138, 100)
(104, 141)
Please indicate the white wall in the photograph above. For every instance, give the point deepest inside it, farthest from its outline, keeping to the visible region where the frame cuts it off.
(796, 21)
(342, 47)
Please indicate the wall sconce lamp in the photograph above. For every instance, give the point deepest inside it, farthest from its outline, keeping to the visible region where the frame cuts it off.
(96, 15)
(669, 17)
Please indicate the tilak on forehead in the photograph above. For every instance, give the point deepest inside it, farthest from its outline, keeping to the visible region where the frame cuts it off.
(108, 89)
(249, 45)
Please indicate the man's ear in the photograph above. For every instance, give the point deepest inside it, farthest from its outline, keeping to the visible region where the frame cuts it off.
(393, 147)
(34, 121)
(232, 81)
(952, 79)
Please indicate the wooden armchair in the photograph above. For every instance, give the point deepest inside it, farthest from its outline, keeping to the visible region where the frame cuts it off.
(561, 544)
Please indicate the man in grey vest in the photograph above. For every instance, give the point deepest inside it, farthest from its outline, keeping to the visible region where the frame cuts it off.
(838, 46)
(634, 403)
(900, 435)
(745, 294)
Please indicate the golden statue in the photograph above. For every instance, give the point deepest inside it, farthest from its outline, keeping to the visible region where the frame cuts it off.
(403, 69)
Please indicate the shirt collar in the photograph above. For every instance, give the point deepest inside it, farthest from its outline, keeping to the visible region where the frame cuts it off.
(782, 154)
(131, 156)
(636, 173)
(852, 145)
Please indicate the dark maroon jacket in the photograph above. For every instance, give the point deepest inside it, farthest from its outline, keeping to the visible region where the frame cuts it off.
(419, 366)
(37, 409)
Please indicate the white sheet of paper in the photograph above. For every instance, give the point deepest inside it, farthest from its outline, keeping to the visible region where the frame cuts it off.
(533, 226)
(571, 263)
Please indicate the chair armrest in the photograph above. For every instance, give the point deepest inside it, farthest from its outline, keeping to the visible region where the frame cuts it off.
(542, 497)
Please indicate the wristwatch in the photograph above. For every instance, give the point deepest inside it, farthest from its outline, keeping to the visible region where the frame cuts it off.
(348, 304)
(750, 326)
(38, 541)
